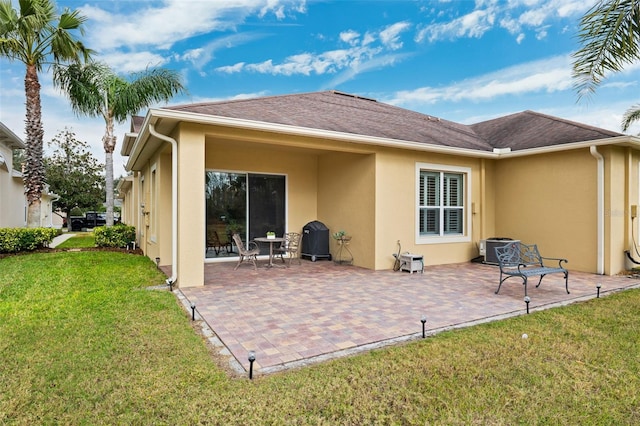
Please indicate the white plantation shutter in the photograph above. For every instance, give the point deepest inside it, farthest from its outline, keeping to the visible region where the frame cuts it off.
(441, 203)
(453, 198)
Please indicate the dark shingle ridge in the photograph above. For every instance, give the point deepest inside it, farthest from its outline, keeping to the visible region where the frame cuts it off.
(337, 111)
(341, 112)
(530, 129)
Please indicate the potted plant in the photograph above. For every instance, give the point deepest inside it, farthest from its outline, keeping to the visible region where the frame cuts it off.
(271, 235)
(341, 237)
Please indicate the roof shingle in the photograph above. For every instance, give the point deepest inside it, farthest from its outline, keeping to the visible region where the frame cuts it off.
(345, 113)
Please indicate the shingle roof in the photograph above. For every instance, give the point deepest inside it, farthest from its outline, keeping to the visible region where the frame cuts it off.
(341, 112)
(529, 129)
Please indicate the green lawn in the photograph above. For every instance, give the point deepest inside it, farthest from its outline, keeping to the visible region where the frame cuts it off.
(80, 240)
(82, 342)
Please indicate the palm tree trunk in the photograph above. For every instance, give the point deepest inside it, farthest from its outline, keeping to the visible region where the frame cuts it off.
(109, 142)
(34, 172)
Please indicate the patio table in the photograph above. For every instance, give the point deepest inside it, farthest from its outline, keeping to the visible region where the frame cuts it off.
(271, 241)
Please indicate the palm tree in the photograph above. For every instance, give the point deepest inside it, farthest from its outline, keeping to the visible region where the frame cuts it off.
(609, 33)
(95, 90)
(36, 36)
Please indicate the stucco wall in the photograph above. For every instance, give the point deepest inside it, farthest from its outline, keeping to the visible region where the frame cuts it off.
(346, 202)
(299, 166)
(550, 200)
(396, 207)
(621, 183)
(12, 199)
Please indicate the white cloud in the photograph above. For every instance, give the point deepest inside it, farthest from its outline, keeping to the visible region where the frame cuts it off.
(201, 56)
(162, 25)
(134, 62)
(549, 75)
(350, 37)
(231, 69)
(390, 36)
(515, 16)
(358, 57)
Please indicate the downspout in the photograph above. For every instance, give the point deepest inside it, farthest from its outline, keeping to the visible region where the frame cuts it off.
(600, 178)
(174, 203)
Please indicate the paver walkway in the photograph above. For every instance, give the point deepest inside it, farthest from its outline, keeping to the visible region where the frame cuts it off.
(317, 310)
(59, 239)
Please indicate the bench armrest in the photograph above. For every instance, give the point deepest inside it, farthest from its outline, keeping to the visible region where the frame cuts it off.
(560, 260)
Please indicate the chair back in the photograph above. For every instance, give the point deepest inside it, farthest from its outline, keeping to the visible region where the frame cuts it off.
(213, 238)
(292, 241)
(239, 243)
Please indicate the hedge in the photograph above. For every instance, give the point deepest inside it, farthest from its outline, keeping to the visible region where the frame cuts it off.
(118, 235)
(13, 240)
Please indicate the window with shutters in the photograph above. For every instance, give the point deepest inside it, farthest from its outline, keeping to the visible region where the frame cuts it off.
(442, 201)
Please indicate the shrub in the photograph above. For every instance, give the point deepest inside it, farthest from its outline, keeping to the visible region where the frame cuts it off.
(114, 236)
(13, 240)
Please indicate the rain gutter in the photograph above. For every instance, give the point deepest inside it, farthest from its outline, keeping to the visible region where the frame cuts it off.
(174, 202)
(600, 215)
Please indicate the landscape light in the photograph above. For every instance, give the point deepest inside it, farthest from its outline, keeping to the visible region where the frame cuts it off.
(527, 300)
(158, 262)
(598, 288)
(423, 320)
(252, 357)
(193, 311)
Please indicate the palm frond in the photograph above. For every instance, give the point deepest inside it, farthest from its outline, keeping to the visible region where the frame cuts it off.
(630, 116)
(146, 88)
(609, 33)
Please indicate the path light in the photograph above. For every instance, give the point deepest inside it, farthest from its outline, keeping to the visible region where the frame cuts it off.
(158, 262)
(598, 287)
(170, 284)
(423, 320)
(252, 357)
(193, 311)
(527, 299)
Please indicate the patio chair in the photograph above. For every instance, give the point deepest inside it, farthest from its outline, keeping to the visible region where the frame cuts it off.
(213, 242)
(290, 246)
(250, 252)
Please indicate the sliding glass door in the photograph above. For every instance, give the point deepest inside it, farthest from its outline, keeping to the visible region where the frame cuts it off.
(245, 203)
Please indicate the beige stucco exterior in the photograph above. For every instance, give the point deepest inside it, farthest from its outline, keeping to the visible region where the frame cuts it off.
(12, 198)
(548, 197)
(13, 202)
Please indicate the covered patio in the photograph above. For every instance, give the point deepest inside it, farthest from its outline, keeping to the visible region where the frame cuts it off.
(320, 310)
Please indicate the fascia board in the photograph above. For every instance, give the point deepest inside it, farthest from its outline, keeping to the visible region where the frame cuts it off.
(156, 115)
(15, 141)
(315, 133)
(632, 141)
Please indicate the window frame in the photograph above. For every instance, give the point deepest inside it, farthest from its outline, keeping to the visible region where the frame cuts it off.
(441, 237)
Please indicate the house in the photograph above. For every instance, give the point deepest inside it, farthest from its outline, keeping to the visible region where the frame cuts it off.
(382, 174)
(13, 202)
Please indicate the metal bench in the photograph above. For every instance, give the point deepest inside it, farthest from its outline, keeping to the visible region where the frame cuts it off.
(521, 260)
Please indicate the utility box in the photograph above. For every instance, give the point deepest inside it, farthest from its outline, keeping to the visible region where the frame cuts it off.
(490, 245)
(411, 263)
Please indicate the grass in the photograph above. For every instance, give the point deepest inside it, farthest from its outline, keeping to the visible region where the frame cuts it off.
(86, 344)
(80, 240)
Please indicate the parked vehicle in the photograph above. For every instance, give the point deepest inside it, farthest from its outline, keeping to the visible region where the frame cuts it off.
(89, 221)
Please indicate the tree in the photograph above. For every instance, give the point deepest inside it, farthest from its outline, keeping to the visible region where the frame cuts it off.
(35, 35)
(95, 90)
(74, 173)
(609, 34)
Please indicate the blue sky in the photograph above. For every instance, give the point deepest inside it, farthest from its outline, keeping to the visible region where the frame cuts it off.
(460, 60)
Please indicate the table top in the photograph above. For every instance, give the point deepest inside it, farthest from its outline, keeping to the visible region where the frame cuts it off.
(268, 240)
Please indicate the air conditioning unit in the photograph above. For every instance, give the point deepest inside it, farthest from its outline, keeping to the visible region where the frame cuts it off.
(487, 248)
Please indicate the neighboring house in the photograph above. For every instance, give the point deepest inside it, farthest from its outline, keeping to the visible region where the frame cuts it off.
(382, 174)
(13, 202)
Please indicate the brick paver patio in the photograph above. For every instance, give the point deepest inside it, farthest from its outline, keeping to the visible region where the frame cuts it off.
(318, 310)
